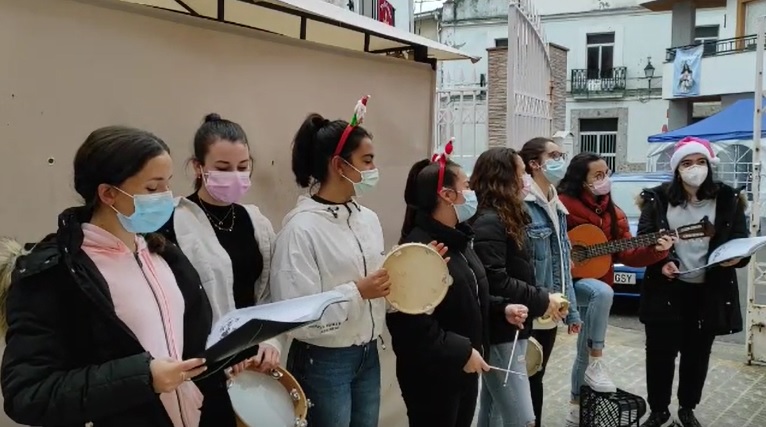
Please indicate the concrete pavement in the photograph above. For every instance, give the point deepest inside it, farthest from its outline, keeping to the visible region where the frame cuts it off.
(734, 393)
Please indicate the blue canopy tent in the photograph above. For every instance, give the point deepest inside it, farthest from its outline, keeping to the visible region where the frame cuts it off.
(732, 123)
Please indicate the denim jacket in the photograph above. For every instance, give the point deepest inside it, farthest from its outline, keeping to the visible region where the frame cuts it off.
(550, 253)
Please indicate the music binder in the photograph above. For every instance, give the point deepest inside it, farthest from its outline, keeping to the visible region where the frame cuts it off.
(242, 330)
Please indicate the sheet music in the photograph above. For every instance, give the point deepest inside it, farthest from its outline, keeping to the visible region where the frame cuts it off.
(297, 310)
(737, 248)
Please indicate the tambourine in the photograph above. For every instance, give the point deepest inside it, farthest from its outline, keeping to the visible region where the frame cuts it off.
(419, 278)
(534, 357)
(268, 400)
(563, 307)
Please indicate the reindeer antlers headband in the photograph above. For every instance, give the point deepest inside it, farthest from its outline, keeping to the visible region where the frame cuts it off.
(359, 110)
(442, 159)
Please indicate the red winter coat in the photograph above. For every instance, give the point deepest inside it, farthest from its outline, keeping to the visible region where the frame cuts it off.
(588, 210)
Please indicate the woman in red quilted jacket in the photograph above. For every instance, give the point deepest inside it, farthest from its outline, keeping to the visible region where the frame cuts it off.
(585, 191)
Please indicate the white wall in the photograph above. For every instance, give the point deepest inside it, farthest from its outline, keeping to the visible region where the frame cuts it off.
(404, 13)
(638, 34)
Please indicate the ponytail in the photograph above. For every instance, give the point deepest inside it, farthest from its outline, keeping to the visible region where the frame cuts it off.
(411, 197)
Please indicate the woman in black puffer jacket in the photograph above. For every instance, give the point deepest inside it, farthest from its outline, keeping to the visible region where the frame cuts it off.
(499, 181)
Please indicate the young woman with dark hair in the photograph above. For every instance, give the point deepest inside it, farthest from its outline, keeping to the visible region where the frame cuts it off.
(501, 184)
(549, 247)
(585, 190)
(229, 244)
(331, 242)
(683, 313)
(439, 355)
(103, 324)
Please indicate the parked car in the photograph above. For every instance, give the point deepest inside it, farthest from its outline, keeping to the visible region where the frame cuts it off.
(625, 188)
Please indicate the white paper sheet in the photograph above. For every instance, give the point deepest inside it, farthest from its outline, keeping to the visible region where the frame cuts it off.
(297, 310)
(737, 248)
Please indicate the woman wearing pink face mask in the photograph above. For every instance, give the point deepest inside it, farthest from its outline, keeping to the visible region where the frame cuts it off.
(585, 192)
(230, 244)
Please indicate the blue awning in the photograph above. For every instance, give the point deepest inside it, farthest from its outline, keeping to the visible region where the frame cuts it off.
(732, 123)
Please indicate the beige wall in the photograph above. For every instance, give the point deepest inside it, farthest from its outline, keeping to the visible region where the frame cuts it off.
(70, 66)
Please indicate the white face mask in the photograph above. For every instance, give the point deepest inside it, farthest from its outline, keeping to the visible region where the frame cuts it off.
(694, 175)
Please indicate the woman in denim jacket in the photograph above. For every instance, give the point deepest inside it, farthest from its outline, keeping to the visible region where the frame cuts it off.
(548, 245)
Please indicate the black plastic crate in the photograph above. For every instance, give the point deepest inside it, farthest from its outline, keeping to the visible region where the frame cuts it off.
(620, 409)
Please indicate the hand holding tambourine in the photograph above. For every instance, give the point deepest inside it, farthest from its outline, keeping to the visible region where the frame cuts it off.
(419, 277)
(558, 308)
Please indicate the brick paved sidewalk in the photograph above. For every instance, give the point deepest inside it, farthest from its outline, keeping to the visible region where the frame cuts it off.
(734, 396)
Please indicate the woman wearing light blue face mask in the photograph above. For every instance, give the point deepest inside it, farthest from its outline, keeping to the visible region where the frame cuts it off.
(103, 324)
(440, 355)
(331, 242)
(549, 247)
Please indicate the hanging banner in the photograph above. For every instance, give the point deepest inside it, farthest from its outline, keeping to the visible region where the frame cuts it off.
(386, 12)
(686, 71)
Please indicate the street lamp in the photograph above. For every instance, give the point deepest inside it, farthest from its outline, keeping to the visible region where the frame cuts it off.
(648, 75)
(649, 69)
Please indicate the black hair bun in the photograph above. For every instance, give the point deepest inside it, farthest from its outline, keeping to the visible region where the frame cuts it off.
(212, 117)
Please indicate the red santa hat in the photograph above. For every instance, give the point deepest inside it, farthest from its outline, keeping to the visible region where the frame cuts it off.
(692, 145)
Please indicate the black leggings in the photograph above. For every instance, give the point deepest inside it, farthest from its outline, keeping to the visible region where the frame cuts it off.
(546, 338)
(431, 405)
(664, 341)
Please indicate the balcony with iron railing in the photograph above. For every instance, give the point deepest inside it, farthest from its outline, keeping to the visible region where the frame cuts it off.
(603, 83)
(727, 67)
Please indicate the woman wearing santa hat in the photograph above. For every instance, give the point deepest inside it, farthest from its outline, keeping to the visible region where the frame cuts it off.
(684, 312)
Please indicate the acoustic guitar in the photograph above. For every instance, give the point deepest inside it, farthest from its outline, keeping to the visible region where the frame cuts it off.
(592, 250)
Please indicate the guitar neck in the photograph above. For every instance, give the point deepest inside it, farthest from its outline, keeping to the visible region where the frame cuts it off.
(616, 246)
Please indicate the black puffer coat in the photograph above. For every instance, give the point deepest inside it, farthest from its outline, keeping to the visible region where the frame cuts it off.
(510, 274)
(69, 359)
(719, 295)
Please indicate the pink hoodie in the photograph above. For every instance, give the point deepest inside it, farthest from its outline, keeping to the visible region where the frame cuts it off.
(146, 296)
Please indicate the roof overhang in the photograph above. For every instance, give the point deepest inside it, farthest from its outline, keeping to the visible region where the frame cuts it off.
(315, 21)
(667, 5)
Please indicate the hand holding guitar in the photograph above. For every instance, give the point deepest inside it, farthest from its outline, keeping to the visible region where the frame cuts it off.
(664, 243)
(670, 270)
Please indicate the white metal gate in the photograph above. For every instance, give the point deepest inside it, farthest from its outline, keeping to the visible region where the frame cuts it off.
(755, 326)
(462, 112)
(529, 76)
(601, 143)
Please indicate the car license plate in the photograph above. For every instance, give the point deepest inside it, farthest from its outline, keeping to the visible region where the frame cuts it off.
(625, 278)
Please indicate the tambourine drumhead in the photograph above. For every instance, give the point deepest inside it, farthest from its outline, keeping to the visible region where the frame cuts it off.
(268, 400)
(534, 357)
(419, 278)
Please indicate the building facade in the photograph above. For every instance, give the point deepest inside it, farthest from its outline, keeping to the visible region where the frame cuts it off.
(616, 50)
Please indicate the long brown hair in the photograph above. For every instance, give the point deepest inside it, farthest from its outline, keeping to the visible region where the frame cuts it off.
(494, 179)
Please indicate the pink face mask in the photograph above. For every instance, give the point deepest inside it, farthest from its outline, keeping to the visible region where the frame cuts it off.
(527, 185)
(227, 186)
(602, 188)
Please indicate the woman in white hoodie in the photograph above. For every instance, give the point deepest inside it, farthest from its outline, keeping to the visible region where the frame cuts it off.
(229, 244)
(329, 241)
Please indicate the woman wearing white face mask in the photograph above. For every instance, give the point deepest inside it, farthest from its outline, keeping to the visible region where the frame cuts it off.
(684, 313)
(331, 242)
(229, 244)
(585, 190)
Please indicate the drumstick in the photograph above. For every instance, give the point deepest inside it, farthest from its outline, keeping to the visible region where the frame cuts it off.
(506, 371)
(510, 361)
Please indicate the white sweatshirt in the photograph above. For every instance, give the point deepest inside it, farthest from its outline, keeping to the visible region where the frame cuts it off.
(323, 247)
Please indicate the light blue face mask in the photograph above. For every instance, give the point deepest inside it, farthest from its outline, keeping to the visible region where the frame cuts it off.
(151, 212)
(467, 209)
(554, 170)
(369, 180)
